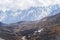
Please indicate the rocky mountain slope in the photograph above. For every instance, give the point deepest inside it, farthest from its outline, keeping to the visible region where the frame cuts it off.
(47, 28)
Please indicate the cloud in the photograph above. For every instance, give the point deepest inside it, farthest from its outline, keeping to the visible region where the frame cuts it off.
(23, 4)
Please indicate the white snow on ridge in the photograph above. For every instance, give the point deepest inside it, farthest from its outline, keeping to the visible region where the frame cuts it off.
(40, 30)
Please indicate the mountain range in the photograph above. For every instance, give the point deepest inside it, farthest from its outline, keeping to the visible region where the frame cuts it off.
(25, 28)
(30, 14)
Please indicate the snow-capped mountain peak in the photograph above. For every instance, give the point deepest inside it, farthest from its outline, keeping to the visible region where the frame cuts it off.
(30, 14)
